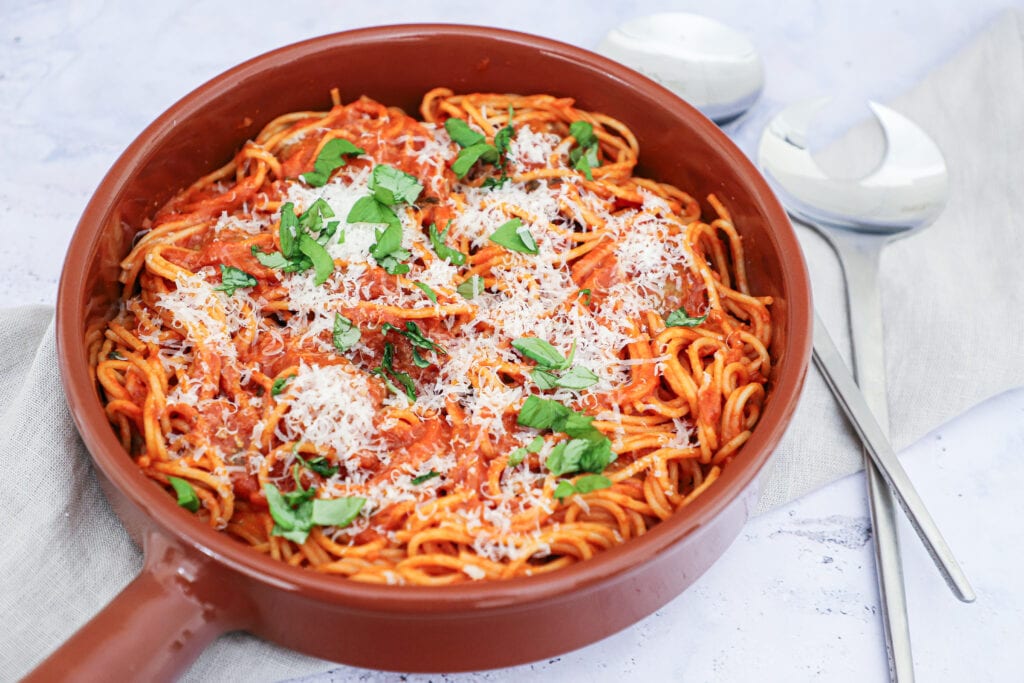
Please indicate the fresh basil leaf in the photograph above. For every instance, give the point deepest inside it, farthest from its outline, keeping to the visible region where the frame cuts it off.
(546, 355)
(426, 290)
(390, 186)
(579, 426)
(471, 287)
(584, 155)
(274, 259)
(323, 264)
(336, 512)
(417, 338)
(319, 464)
(460, 133)
(516, 457)
(369, 210)
(502, 139)
(564, 490)
(416, 481)
(580, 455)
(388, 241)
(535, 445)
(679, 318)
(387, 372)
(278, 385)
(585, 484)
(187, 497)
(583, 132)
(393, 266)
(542, 413)
(565, 456)
(291, 521)
(544, 379)
(584, 164)
(232, 278)
(345, 334)
(289, 231)
(437, 240)
(330, 158)
(577, 378)
(468, 156)
(597, 456)
(514, 236)
(494, 182)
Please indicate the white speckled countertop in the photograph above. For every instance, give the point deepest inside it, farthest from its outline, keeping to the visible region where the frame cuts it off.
(795, 597)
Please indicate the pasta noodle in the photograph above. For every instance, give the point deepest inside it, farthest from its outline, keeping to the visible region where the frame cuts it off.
(469, 346)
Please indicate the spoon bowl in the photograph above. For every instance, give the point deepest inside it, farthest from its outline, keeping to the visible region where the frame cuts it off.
(907, 190)
(710, 65)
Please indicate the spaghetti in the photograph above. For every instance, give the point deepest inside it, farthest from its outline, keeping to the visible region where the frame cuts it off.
(472, 346)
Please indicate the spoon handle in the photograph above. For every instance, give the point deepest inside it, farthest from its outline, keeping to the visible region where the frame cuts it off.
(840, 381)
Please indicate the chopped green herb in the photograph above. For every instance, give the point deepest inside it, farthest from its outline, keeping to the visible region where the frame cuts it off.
(544, 379)
(588, 449)
(390, 186)
(319, 464)
(543, 413)
(416, 481)
(460, 132)
(114, 355)
(275, 260)
(577, 378)
(417, 339)
(584, 155)
(187, 497)
(585, 484)
(471, 287)
(369, 210)
(295, 513)
(278, 385)
(546, 355)
(426, 290)
(292, 514)
(322, 262)
(302, 241)
(468, 156)
(387, 372)
(345, 334)
(337, 512)
(583, 132)
(519, 454)
(330, 158)
(515, 236)
(585, 294)
(516, 457)
(476, 148)
(232, 278)
(679, 318)
(437, 240)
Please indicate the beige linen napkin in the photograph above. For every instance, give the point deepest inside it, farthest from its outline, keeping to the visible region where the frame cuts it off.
(954, 316)
(953, 294)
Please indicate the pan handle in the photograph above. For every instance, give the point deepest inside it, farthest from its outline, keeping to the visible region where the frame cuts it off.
(156, 627)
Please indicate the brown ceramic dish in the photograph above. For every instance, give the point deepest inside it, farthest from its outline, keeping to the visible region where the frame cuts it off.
(198, 583)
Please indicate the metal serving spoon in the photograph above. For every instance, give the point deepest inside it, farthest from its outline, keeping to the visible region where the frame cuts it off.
(858, 218)
(710, 65)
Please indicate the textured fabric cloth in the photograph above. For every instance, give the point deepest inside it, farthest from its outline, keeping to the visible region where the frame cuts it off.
(952, 294)
(953, 302)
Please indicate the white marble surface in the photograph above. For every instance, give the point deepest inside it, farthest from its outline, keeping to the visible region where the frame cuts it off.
(794, 598)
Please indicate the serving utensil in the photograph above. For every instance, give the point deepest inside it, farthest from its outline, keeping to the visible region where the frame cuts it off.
(858, 218)
(712, 66)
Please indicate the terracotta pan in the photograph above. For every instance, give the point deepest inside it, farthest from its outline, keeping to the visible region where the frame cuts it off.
(197, 583)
